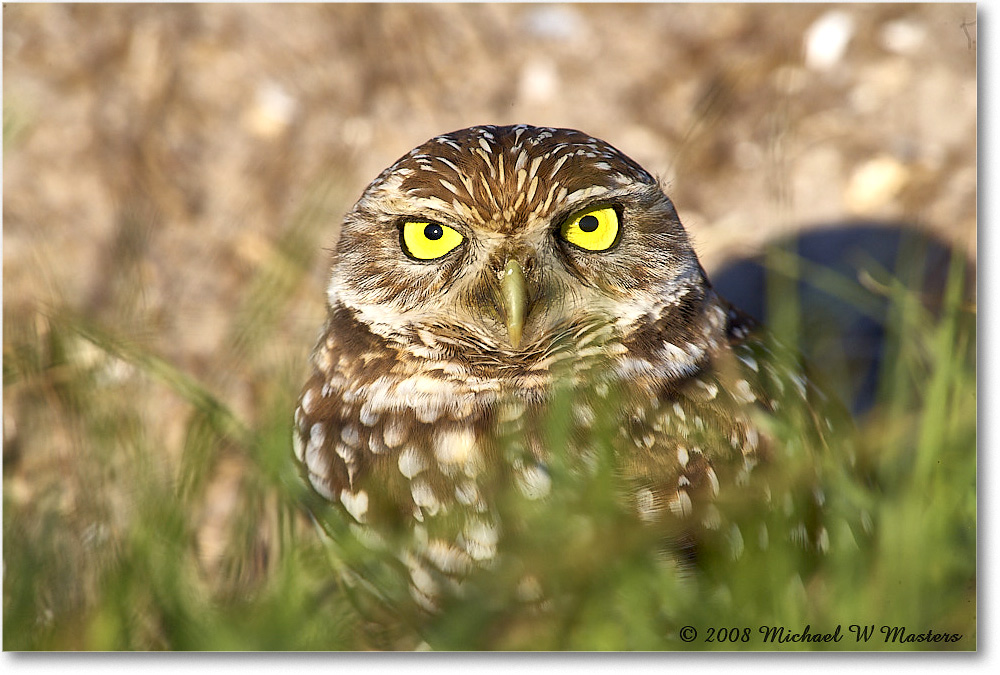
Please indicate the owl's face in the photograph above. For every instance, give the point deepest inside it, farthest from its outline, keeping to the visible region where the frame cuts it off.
(511, 238)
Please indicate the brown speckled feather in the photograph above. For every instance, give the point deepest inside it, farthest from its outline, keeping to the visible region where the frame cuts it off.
(420, 408)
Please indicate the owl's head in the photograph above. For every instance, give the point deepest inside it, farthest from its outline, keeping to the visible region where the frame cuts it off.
(512, 238)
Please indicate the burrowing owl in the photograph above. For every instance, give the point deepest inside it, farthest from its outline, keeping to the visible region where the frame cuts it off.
(486, 274)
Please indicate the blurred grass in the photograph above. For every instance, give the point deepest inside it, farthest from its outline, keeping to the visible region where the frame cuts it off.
(105, 533)
(115, 539)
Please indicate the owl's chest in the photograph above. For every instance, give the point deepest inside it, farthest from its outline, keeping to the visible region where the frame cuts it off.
(416, 442)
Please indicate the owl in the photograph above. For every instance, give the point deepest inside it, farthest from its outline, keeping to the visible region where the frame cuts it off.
(495, 283)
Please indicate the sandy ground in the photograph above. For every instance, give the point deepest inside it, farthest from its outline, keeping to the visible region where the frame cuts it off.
(157, 157)
(215, 122)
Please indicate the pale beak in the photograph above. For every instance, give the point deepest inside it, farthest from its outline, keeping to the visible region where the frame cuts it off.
(514, 298)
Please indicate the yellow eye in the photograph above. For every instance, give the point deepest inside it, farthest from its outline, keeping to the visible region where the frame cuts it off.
(427, 241)
(594, 229)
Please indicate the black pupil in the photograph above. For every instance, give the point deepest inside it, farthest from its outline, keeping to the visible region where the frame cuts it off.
(433, 232)
(588, 223)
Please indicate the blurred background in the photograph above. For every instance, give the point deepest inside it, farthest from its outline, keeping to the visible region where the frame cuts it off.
(174, 177)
